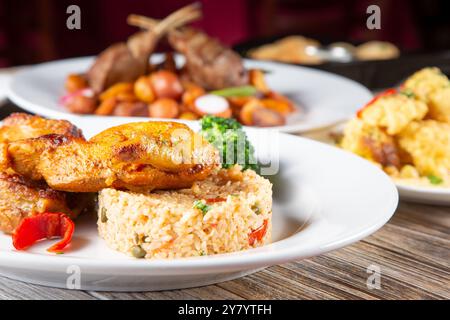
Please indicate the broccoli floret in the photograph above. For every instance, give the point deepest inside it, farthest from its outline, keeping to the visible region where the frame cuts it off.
(230, 139)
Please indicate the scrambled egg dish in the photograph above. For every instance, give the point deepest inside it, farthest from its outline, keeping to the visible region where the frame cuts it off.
(407, 131)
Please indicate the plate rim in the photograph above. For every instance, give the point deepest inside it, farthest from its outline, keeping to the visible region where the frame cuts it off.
(30, 106)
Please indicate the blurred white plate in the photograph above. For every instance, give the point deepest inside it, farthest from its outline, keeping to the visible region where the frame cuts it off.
(324, 199)
(426, 195)
(4, 86)
(325, 98)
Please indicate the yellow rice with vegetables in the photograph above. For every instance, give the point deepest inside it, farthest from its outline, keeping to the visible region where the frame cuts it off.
(230, 211)
(407, 131)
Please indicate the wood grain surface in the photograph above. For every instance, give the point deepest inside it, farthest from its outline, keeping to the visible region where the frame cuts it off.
(412, 251)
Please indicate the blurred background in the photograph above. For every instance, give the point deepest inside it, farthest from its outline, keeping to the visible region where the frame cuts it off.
(33, 31)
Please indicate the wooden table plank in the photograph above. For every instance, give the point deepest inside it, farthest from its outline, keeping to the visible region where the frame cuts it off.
(16, 290)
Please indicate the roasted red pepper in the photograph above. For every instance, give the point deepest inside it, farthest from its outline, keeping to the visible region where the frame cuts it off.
(258, 234)
(44, 226)
(382, 94)
(215, 200)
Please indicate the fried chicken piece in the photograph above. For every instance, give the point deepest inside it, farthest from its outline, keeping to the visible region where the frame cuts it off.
(394, 112)
(428, 143)
(135, 156)
(24, 126)
(371, 142)
(21, 197)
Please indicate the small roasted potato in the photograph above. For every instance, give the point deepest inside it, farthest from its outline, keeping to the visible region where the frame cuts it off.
(106, 107)
(143, 89)
(279, 106)
(165, 84)
(255, 114)
(164, 108)
(131, 109)
(192, 92)
(263, 117)
(116, 89)
(75, 82)
(81, 104)
(188, 116)
(256, 79)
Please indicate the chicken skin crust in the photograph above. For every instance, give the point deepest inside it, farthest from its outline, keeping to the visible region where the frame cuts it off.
(135, 156)
(21, 197)
(24, 126)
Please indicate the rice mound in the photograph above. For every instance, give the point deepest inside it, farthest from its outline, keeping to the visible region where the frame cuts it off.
(229, 211)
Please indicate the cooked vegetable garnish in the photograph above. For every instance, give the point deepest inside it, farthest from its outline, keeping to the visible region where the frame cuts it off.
(231, 141)
(434, 179)
(203, 207)
(258, 234)
(242, 91)
(408, 93)
(44, 226)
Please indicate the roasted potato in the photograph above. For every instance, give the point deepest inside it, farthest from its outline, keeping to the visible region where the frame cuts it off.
(164, 108)
(255, 114)
(166, 84)
(131, 109)
(143, 89)
(75, 82)
(81, 104)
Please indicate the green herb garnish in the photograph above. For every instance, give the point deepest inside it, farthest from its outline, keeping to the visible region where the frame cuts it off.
(203, 207)
(230, 139)
(434, 179)
(408, 93)
(243, 91)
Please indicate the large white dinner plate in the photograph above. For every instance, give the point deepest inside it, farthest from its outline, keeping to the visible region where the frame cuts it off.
(325, 98)
(324, 199)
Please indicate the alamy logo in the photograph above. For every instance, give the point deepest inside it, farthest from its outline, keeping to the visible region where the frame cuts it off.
(74, 279)
(374, 280)
(374, 20)
(74, 20)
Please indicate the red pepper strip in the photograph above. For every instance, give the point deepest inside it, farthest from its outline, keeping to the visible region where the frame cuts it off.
(258, 234)
(44, 226)
(382, 94)
(215, 200)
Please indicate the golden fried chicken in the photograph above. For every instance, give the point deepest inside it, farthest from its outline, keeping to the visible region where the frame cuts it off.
(21, 197)
(393, 112)
(24, 126)
(135, 156)
(371, 142)
(428, 143)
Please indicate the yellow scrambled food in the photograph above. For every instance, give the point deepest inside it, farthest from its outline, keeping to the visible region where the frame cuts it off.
(407, 131)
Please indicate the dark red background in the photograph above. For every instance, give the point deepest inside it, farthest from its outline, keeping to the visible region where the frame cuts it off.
(35, 30)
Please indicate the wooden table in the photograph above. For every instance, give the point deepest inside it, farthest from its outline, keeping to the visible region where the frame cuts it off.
(412, 252)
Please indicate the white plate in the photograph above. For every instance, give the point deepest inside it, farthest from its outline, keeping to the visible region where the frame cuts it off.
(326, 98)
(324, 199)
(426, 195)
